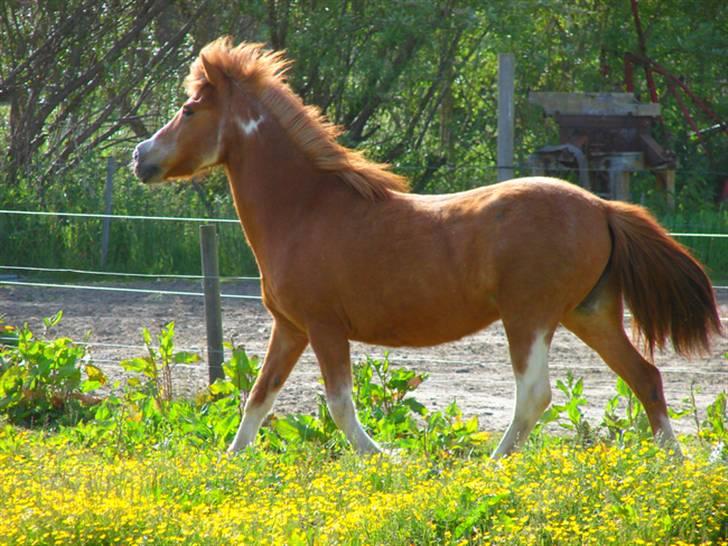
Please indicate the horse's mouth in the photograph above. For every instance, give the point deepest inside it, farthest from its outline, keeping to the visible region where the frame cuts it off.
(149, 174)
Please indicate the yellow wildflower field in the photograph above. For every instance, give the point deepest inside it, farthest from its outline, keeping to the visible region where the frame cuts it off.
(53, 492)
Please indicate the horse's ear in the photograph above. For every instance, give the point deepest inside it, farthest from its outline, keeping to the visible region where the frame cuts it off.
(213, 74)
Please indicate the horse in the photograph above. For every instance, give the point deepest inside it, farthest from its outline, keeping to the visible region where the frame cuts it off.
(346, 253)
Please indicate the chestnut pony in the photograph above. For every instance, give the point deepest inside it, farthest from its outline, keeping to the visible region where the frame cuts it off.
(346, 254)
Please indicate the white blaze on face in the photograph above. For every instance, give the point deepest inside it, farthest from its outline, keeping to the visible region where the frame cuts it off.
(250, 126)
(152, 150)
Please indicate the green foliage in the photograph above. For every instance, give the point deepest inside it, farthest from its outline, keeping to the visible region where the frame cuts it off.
(142, 410)
(386, 407)
(624, 417)
(712, 252)
(155, 369)
(624, 421)
(53, 383)
(573, 390)
(382, 395)
(713, 430)
(447, 431)
(45, 382)
(134, 246)
(240, 372)
(8, 333)
(715, 426)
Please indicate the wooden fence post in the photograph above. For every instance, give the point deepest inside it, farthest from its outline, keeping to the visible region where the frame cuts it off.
(108, 195)
(506, 76)
(213, 312)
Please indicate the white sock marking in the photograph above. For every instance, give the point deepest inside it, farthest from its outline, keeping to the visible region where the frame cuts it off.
(533, 394)
(252, 419)
(665, 436)
(344, 415)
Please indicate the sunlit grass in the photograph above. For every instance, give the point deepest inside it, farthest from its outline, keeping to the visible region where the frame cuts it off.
(54, 492)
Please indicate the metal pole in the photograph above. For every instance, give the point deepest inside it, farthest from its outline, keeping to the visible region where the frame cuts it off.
(108, 195)
(211, 288)
(506, 76)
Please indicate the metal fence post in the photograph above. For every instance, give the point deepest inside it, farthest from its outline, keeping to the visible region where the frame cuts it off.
(506, 77)
(211, 288)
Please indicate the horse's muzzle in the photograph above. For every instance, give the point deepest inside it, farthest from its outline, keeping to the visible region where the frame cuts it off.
(146, 172)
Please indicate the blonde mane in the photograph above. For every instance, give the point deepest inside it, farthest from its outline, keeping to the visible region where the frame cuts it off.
(263, 72)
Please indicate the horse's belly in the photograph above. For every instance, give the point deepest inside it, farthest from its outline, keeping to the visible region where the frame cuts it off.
(419, 328)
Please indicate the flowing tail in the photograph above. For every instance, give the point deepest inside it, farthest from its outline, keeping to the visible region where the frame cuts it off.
(666, 289)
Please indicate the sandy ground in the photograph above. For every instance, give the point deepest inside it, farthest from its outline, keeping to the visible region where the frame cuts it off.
(475, 370)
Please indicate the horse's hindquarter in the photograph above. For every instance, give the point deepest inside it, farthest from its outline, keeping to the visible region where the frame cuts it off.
(552, 248)
(421, 270)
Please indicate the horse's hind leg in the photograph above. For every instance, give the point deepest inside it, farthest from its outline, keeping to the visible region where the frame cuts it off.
(529, 354)
(599, 325)
(284, 348)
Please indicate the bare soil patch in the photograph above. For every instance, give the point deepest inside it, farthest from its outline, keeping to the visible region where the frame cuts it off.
(475, 370)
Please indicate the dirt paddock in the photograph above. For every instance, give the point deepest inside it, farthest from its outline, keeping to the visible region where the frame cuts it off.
(475, 370)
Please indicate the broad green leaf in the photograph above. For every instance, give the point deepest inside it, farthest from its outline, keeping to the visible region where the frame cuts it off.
(90, 385)
(50, 322)
(147, 337)
(183, 357)
(95, 374)
(221, 387)
(141, 365)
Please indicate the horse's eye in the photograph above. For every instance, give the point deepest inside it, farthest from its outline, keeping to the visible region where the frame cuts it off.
(187, 111)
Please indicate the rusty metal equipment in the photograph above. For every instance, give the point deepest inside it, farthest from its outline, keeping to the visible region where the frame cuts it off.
(604, 137)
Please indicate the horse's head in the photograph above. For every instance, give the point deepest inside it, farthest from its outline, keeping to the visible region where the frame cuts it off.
(237, 95)
(192, 141)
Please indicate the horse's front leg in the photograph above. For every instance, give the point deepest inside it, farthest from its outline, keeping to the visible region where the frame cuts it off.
(332, 352)
(284, 348)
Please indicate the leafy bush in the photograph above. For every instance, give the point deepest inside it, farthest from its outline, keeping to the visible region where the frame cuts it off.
(142, 411)
(156, 367)
(45, 382)
(575, 422)
(633, 425)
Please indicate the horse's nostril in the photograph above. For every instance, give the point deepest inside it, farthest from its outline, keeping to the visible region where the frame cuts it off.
(135, 154)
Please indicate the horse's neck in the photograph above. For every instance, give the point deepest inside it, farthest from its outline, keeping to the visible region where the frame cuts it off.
(273, 185)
